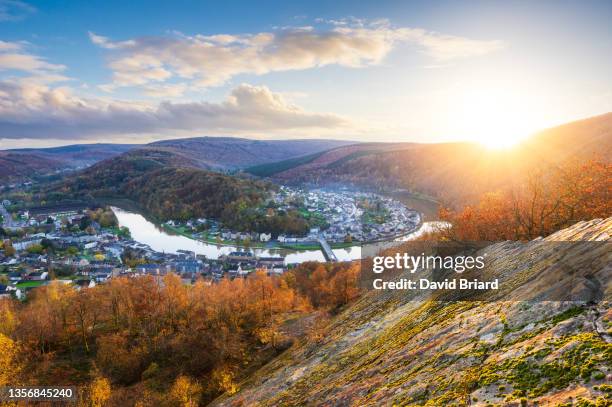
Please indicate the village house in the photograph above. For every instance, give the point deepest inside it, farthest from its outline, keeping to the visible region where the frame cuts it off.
(240, 256)
(151, 269)
(189, 266)
(80, 284)
(37, 276)
(270, 262)
(24, 244)
(15, 276)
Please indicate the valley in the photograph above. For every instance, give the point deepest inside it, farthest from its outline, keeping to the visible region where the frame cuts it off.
(303, 204)
(452, 173)
(278, 250)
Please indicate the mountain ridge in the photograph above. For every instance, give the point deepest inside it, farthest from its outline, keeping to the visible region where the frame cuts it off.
(456, 173)
(23, 163)
(215, 153)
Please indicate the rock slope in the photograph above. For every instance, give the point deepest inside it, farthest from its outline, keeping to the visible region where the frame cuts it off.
(517, 349)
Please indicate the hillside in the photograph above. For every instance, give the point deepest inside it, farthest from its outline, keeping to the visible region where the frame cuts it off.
(453, 172)
(27, 162)
(233, 153)
(217, 153)
(290, 169)
(15, 166)
(582, 138)
(393, 348)
(167, 187)
(78, 155)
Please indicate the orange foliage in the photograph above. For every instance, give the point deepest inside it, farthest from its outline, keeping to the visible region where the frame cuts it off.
(161, 332)
(327, 285)
(548, 200)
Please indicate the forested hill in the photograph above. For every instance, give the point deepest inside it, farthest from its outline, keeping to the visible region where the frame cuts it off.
(14, 166)
(454, 172)
(168, 187)
(218, 153)
(235, 153)
(24, 163)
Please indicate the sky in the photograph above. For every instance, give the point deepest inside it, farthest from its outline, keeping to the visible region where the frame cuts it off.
(138, 71)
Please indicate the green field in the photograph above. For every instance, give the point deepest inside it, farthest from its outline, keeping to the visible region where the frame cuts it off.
(209, 239)
(28, 284)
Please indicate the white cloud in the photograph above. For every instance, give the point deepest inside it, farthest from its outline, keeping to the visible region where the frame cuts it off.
(15, 10)
(165, 90)
(9, 46)
(446, 47)
(33, 110)
(14, 57)
(104, 42)
(211, 60)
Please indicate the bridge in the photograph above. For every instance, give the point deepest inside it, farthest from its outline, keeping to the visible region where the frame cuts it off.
(327, 251)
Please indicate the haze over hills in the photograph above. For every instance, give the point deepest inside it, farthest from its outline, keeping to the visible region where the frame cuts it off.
(455, 172)
(291, 168)
(182, 179)
(24, 165)
(28, 162)
(581, 139)
(78, 154)
(219, 153)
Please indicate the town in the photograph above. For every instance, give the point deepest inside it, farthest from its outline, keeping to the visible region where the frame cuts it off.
(85, 247)
(82, 246)
(342, 218)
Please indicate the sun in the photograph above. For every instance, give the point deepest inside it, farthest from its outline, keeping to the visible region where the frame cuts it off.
(496, 119)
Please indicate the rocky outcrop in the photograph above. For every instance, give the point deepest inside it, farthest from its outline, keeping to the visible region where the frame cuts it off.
(515, 349)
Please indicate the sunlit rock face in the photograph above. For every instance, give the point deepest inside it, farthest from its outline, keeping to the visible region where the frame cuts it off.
(393, 348)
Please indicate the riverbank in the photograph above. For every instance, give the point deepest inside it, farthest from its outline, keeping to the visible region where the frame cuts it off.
(259, 245)
(301, 246)
(165, 241)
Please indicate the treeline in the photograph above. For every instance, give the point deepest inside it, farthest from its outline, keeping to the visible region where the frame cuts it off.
(549, 199)
(148, 342)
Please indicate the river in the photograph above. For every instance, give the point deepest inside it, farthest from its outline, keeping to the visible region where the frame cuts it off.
(146, 232)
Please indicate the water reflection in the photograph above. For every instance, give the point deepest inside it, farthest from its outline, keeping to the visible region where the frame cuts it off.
(159, 240)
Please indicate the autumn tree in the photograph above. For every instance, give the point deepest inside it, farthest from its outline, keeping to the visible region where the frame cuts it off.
(9, 321)
(344, 285)
(548, 199)
(98, 392)
(49, 319)
(118, 359)
(87, 312)
(325, 285)
(8, 360)
(161, 331)
(9, 250)
(185, 392)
